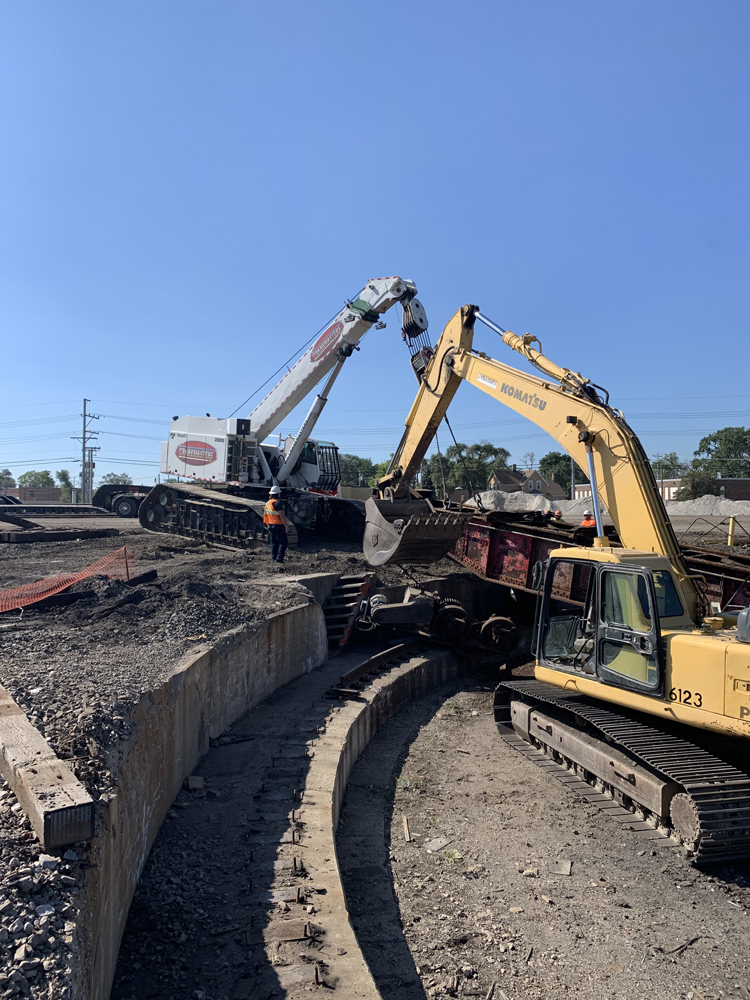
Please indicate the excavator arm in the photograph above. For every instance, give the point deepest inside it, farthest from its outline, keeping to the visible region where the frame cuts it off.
(565, 405)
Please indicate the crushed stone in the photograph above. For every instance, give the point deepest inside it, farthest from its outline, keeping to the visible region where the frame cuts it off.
(709, 505)
(518, 502)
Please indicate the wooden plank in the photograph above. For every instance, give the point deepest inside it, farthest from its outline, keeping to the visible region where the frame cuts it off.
(288, 930)
(52, 535)
(59, 808)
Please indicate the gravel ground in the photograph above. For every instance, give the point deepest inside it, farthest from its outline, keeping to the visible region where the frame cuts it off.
(78, 671)
(37, 910)
(478, 893)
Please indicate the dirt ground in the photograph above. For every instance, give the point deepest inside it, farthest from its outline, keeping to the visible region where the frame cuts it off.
(476, 898)
(629, 921)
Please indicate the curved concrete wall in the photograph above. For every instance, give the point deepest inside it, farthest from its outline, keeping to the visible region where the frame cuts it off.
(173, 726)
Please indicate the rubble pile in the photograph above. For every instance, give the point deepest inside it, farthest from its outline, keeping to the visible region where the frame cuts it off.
(709, 505)
(519, 502)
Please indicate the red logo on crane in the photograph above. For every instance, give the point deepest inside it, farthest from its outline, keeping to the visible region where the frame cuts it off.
(196, 453)
(326, 342)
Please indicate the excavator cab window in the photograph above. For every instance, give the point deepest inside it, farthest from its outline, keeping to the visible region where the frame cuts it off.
(628, 650)
(604, 621)
(569, 620)
(668, 603)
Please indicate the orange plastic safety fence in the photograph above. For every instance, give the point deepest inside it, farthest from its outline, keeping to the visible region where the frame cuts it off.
(117, 564)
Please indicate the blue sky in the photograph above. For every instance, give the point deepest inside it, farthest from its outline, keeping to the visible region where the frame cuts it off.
(189, 190)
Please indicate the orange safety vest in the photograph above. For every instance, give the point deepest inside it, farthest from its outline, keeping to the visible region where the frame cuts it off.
(588, 522)
(270, 514)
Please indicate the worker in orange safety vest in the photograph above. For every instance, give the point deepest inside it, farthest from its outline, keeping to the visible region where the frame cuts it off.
(275, 520)
(588, 520)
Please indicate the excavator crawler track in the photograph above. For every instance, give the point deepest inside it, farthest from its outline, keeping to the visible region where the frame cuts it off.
(710, 813)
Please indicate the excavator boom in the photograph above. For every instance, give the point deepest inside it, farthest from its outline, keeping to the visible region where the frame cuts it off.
(561, 402)
(622, 627)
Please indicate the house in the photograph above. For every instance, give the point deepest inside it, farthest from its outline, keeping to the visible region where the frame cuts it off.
(734, 489)
(536, 484)
(667, 488)
(507, 480)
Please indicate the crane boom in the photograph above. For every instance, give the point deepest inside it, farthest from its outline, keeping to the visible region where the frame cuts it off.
(348, 327)
(235, 450)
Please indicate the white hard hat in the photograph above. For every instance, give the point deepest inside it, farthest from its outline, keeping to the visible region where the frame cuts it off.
(275, 490)
(584, 513)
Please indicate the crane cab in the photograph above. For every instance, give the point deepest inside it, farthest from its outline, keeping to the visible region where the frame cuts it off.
(614, 624)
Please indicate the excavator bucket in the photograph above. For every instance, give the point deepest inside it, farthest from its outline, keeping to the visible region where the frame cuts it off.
(409, 531)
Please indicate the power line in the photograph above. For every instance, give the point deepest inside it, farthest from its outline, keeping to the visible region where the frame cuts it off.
(42, 461)
(141, 437)
(137, 420)
(39, 420)
(34, 437)
(46, 402)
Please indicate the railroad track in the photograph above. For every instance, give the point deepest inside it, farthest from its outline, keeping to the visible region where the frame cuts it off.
(274, 784)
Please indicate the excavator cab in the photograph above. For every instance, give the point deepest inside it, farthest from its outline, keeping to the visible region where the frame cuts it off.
(409, 530)
(603, 620)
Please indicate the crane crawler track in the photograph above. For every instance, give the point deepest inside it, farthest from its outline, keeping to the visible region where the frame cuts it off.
(714, 797)
(203, 514)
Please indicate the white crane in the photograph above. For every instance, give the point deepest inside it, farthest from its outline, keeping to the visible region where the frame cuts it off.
(235, 450)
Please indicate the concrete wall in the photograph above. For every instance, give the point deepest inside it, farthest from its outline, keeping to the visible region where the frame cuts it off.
(320, 585)
(355, 492)
(40, 494)
(174, 724)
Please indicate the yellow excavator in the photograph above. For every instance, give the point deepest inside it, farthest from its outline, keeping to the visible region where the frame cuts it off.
(622, 625)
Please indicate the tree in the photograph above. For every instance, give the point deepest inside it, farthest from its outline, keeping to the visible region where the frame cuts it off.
(63, 480)
(668, 466)
(558, 463)
(116, 479)
(528, 460)
(470, 466)
(695, 484)
(379, 470)
(6, 478)
(355, 471)
(434, 470)
(35, 478)
(725, 453)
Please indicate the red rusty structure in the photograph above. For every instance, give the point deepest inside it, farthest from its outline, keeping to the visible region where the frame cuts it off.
(505, 549)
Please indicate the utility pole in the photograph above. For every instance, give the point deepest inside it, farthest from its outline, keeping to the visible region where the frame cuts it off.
(83, 455)
(572, 479)
(87, 454)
